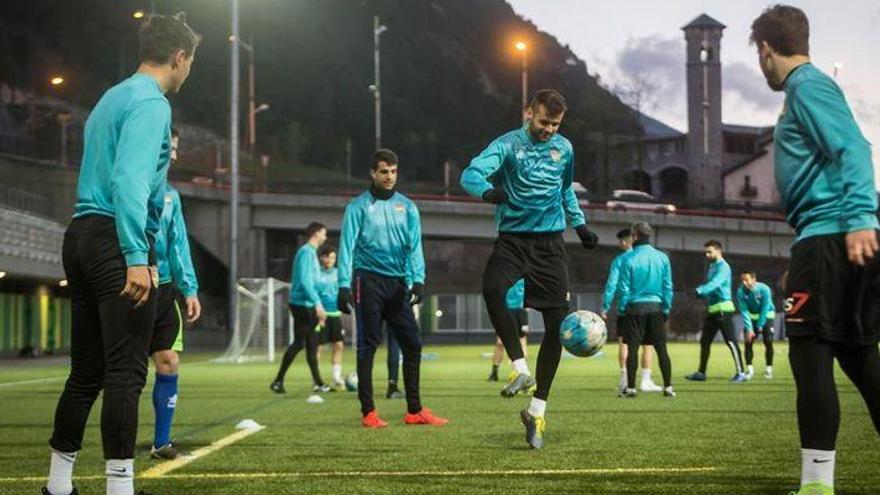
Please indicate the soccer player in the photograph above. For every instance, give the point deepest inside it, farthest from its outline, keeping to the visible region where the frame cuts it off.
(646, 299)
(612, 289)
(331, 332)
(306, 308)
(716, 291)
(755, 302)
(515, 301)
(380, 253)
(107, 254)
(176, 278)
(527, 173)
(826, 180)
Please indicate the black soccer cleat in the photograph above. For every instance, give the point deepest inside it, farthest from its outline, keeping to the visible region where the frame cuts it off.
(278, 387)
(534, 428)
(166, 452)
(493, 377)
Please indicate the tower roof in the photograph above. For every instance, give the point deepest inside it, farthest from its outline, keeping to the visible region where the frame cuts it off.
(704, 21)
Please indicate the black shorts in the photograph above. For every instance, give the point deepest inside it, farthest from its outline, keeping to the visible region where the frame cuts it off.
(539, 259)
(332, 330)
(168, 327)
(829, 297)
(644, 329)
(521, 317)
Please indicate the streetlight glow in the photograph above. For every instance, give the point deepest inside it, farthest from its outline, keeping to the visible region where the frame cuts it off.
(2, 274)
(138, 14)
(57, 81)
(63, 283)
(521, 46)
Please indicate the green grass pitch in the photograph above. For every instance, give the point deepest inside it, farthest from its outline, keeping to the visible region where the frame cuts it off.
(714, 438)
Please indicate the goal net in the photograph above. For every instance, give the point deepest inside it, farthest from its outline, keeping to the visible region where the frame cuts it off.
(261, 321)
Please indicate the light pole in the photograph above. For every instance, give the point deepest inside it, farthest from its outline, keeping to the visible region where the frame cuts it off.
(233, 172)
(522, 47)
(837, 67)
(253, 109)
(376, 87)
(64, 119)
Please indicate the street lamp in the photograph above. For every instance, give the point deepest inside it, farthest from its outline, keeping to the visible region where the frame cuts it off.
(138, 14)
(56, 81)
(376, 87)
(522, 48)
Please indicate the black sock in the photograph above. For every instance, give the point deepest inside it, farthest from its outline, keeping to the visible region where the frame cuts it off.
(550, 351)
(494, 370)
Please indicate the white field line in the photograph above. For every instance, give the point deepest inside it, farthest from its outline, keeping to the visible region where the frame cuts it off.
(390, 474)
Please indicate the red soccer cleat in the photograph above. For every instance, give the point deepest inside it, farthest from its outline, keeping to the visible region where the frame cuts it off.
(372, 420)
(424, 417)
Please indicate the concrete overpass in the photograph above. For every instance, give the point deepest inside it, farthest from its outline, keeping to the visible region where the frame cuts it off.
(207, 217)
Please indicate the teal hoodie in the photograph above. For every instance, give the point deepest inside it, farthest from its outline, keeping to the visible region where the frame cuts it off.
(755, 306)
(172, 247)
(822, 160)
(126, 152)
(717, 289)
(304, 277)
(646, 277)
(537, 178)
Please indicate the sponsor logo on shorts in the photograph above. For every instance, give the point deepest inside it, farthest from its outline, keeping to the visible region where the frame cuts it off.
(793, 305)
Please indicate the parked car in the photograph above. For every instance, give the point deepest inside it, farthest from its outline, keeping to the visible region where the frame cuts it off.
(632, 200)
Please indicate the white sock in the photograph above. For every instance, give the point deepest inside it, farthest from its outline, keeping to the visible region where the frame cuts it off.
(120, 476)
(337, 372)
(521, 367)
(537, 407)
(750, 369)
(769, 369)
(646, 374)
(623, 372)
(61, 473)
(817, 465)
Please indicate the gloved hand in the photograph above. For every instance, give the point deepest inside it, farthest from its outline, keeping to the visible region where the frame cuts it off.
(588, 238)
(416, 294)
(344, 301)
(495, 195)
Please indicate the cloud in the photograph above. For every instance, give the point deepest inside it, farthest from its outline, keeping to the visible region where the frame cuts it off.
(658, 61)
(750, 86)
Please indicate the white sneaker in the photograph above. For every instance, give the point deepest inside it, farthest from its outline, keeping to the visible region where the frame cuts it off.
(668, 392)
(621, 385)
(750, 372)
(768, 373)
(648, 385)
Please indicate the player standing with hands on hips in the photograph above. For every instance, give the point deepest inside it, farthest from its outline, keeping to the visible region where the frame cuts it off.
(527, 173)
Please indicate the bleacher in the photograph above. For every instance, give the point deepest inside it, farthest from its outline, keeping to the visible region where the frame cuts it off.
(30, 245)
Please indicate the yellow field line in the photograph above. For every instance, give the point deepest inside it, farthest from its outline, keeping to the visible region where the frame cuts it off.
(167, 467)
(398, 474)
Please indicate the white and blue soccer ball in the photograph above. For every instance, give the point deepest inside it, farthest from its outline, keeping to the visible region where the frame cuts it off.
(583, 333)
(351, 382)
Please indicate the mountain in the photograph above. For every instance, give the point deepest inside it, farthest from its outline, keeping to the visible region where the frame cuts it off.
(450, 75)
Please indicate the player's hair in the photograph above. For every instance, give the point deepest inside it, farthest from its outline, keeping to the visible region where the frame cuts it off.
(313, 228)
(624, 233)
(383, 155)
(326, 250)
(174, 132)
(749, 272)
(161, 36)
(715, 244)
(551, 99)
(785, 28)
(642, 231)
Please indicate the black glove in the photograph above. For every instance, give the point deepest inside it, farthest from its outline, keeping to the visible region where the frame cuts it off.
(416, 294)
(496, 195)
(344, 300)
(588, 238)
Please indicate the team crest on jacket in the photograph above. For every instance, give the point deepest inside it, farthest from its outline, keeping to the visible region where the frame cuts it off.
(556, 155)
(168, 199)
(399, 207)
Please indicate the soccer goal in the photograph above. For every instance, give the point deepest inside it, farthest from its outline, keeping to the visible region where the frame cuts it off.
(261, 323)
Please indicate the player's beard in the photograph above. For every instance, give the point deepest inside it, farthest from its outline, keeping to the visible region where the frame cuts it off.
(538, 134)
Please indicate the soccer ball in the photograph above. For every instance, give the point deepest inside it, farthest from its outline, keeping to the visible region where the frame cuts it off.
(351, 382)
(583, 333)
